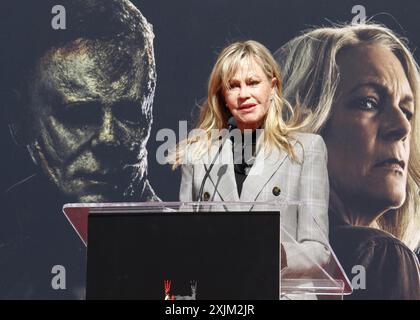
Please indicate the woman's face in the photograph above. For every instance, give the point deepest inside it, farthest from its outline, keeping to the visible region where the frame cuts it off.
(249, 95)
(368, 135)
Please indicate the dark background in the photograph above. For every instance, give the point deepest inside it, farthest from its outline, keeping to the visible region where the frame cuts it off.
(188, 36)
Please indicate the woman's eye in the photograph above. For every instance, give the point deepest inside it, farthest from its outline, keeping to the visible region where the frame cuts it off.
(233, 86)
(368, 103)
(254, 83)
(408, 114)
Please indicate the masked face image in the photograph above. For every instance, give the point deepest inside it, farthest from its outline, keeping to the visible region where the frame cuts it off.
(91, 118)
(82, 101)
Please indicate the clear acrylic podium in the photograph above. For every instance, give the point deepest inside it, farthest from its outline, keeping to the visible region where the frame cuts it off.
(311, 269)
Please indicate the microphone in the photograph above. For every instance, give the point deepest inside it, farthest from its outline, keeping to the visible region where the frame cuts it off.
(231, 123)
(231, 126)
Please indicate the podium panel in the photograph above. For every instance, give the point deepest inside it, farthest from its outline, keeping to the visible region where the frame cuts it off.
(204, 250)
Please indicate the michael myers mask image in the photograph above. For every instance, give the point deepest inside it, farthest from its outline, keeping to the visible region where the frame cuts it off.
(80, 101)
(85, 108)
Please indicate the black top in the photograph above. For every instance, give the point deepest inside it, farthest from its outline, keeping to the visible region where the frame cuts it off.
(392, 269)
(243, 158)
(240, 177)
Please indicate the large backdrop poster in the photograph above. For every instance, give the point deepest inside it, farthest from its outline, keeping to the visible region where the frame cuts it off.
(53, 105)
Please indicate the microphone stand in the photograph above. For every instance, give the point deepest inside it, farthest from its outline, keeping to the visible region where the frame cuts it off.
(231, 125)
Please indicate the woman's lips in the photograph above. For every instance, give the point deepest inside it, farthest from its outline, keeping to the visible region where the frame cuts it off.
(247, 107)
(391, 164)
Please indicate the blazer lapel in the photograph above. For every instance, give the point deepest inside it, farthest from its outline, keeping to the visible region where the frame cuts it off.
(222, 175)
(265, 166)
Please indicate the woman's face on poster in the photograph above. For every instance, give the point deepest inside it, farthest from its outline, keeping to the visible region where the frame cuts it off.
(368, 135)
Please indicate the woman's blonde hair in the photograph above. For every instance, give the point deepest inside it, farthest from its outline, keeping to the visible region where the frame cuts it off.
(280, 119)
(311, 76)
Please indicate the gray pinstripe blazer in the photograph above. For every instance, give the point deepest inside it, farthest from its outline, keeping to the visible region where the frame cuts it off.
(305, 182)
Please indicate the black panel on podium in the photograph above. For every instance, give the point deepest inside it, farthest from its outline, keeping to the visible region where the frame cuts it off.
(196, 251)
(229, 256)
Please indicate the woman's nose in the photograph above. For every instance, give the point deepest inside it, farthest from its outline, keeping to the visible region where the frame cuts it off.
(395, 125)
(244, 92)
